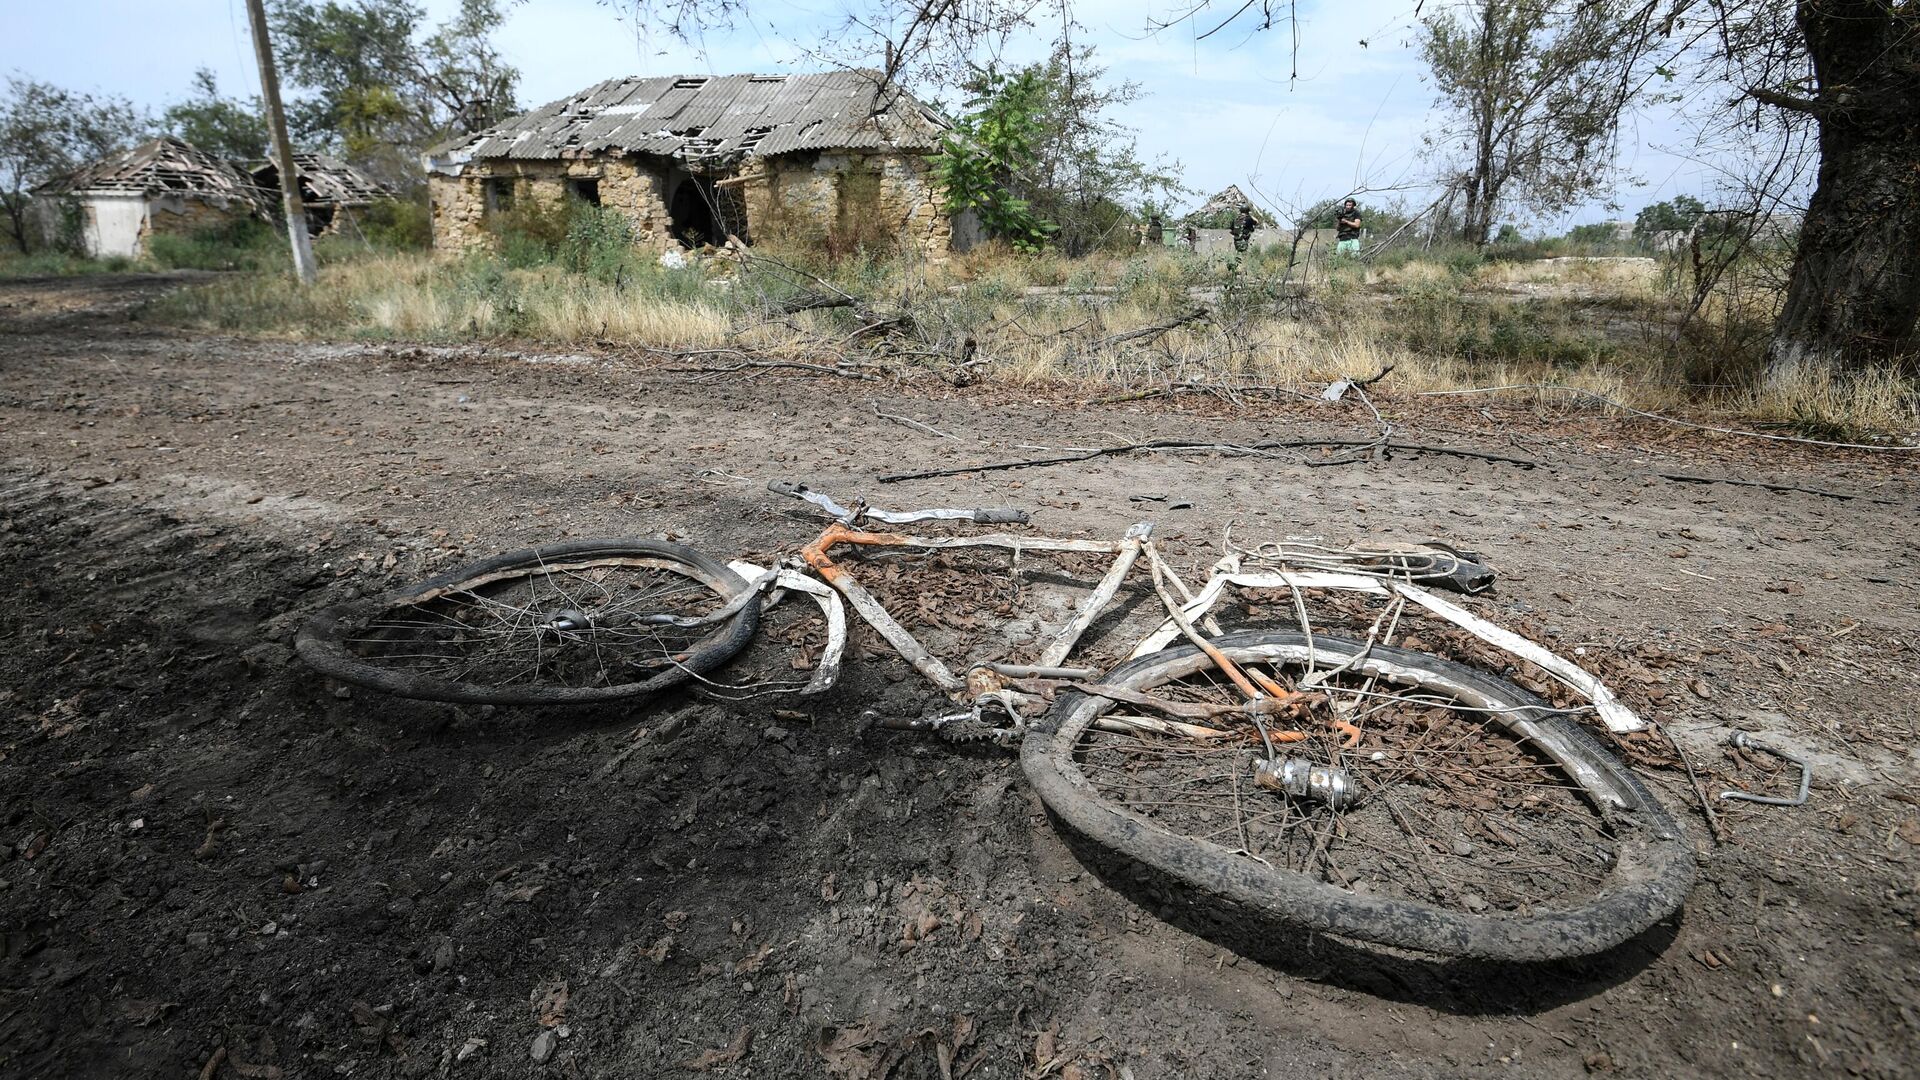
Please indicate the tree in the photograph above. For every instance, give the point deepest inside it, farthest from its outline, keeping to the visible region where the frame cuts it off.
(1853, 297)
(992, 144)
(380, 86)
(231, 128)
(1038, 155)
(1532, 97)
(1087, 173)
(1678, 214)
(45, 132)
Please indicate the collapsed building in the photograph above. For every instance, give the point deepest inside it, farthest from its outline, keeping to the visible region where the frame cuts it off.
(167, 186)
(162, 186)
(335, 193)
(834, 160)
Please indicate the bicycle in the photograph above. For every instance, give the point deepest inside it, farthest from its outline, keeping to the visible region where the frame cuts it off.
(1339, 784)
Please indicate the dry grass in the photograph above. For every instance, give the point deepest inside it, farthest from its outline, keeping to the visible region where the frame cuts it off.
(1592, 324)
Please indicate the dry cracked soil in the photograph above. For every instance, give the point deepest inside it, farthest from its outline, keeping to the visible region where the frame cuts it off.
(215, 863)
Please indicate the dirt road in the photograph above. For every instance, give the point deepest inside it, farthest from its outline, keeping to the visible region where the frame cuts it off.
(214, 863)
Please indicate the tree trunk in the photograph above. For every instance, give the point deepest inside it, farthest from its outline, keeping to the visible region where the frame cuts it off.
(1854, 294)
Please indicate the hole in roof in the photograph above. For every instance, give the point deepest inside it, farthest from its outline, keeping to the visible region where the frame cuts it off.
(766, 78)
(688, 84)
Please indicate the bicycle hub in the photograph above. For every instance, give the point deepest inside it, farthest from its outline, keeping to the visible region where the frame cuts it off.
(1303, 779)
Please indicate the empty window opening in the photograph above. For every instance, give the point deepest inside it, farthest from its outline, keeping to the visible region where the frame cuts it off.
(587, 191)
(499, 194)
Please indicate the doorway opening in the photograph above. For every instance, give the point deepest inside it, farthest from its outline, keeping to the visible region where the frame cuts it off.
(691, 212)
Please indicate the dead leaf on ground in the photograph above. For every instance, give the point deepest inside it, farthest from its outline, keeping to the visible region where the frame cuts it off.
(847, 1052)
(142, 1011)
(674, 919)
(550, 1003)
(751, 964)
(1046, 1045)
(658, 954)
(1909, 830)
(524, 893)
(727, 1055)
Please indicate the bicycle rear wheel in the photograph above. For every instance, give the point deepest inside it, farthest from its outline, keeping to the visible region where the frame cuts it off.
(559, 624)
(1475, 822)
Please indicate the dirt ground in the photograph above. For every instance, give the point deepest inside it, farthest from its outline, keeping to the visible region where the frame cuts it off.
(214, 863)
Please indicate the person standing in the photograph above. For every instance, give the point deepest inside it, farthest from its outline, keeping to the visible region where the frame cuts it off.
(1243, 227)
(1347, 230)
(1156, 231)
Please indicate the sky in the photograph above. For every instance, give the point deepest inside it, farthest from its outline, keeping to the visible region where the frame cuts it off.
(1234, 108)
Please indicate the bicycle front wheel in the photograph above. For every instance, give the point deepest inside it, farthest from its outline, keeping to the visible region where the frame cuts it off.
(1465, 819)
(559, 624)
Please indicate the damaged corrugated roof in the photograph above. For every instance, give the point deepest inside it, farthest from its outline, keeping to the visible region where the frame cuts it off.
(325, 181)
(164, 166)
(706, 119)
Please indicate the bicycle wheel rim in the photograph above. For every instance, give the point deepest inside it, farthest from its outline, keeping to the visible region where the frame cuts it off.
(1648, 876)
(511, 653)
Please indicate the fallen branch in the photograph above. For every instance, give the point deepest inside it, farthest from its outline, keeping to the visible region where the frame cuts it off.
(1193, 316)
(811, 301)
(1769, 485)
(1219, 390)
(845, 372)
(1180, 445)
(912, 423)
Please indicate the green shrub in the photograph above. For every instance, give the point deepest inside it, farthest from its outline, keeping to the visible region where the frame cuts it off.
(398, 225)
(55, 263)
(242, 244)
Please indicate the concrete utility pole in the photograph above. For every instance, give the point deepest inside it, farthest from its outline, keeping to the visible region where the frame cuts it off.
(303, 264)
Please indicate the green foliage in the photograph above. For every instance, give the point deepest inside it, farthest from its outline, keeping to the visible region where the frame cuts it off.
(1087, 170)
(1464, 262)
(1678, 214)
(242, 244)
(230, 128)
(53, 262)
(575, 236)
(1532, 96)
(398, 224)
(379, 85)
(46, 132)
(990, 145)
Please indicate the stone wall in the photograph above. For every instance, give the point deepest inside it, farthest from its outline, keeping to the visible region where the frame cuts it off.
(842, 201)
(828, 200)
(627, 185)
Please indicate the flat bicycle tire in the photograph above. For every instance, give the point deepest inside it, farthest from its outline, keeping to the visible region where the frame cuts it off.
(323, 643)
(1652, 866)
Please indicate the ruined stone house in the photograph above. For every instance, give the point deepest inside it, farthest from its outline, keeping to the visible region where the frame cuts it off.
(830, 160)
(335, 193)
(162, 186)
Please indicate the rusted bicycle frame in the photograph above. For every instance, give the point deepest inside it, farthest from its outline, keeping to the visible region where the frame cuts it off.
(1022, 691)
